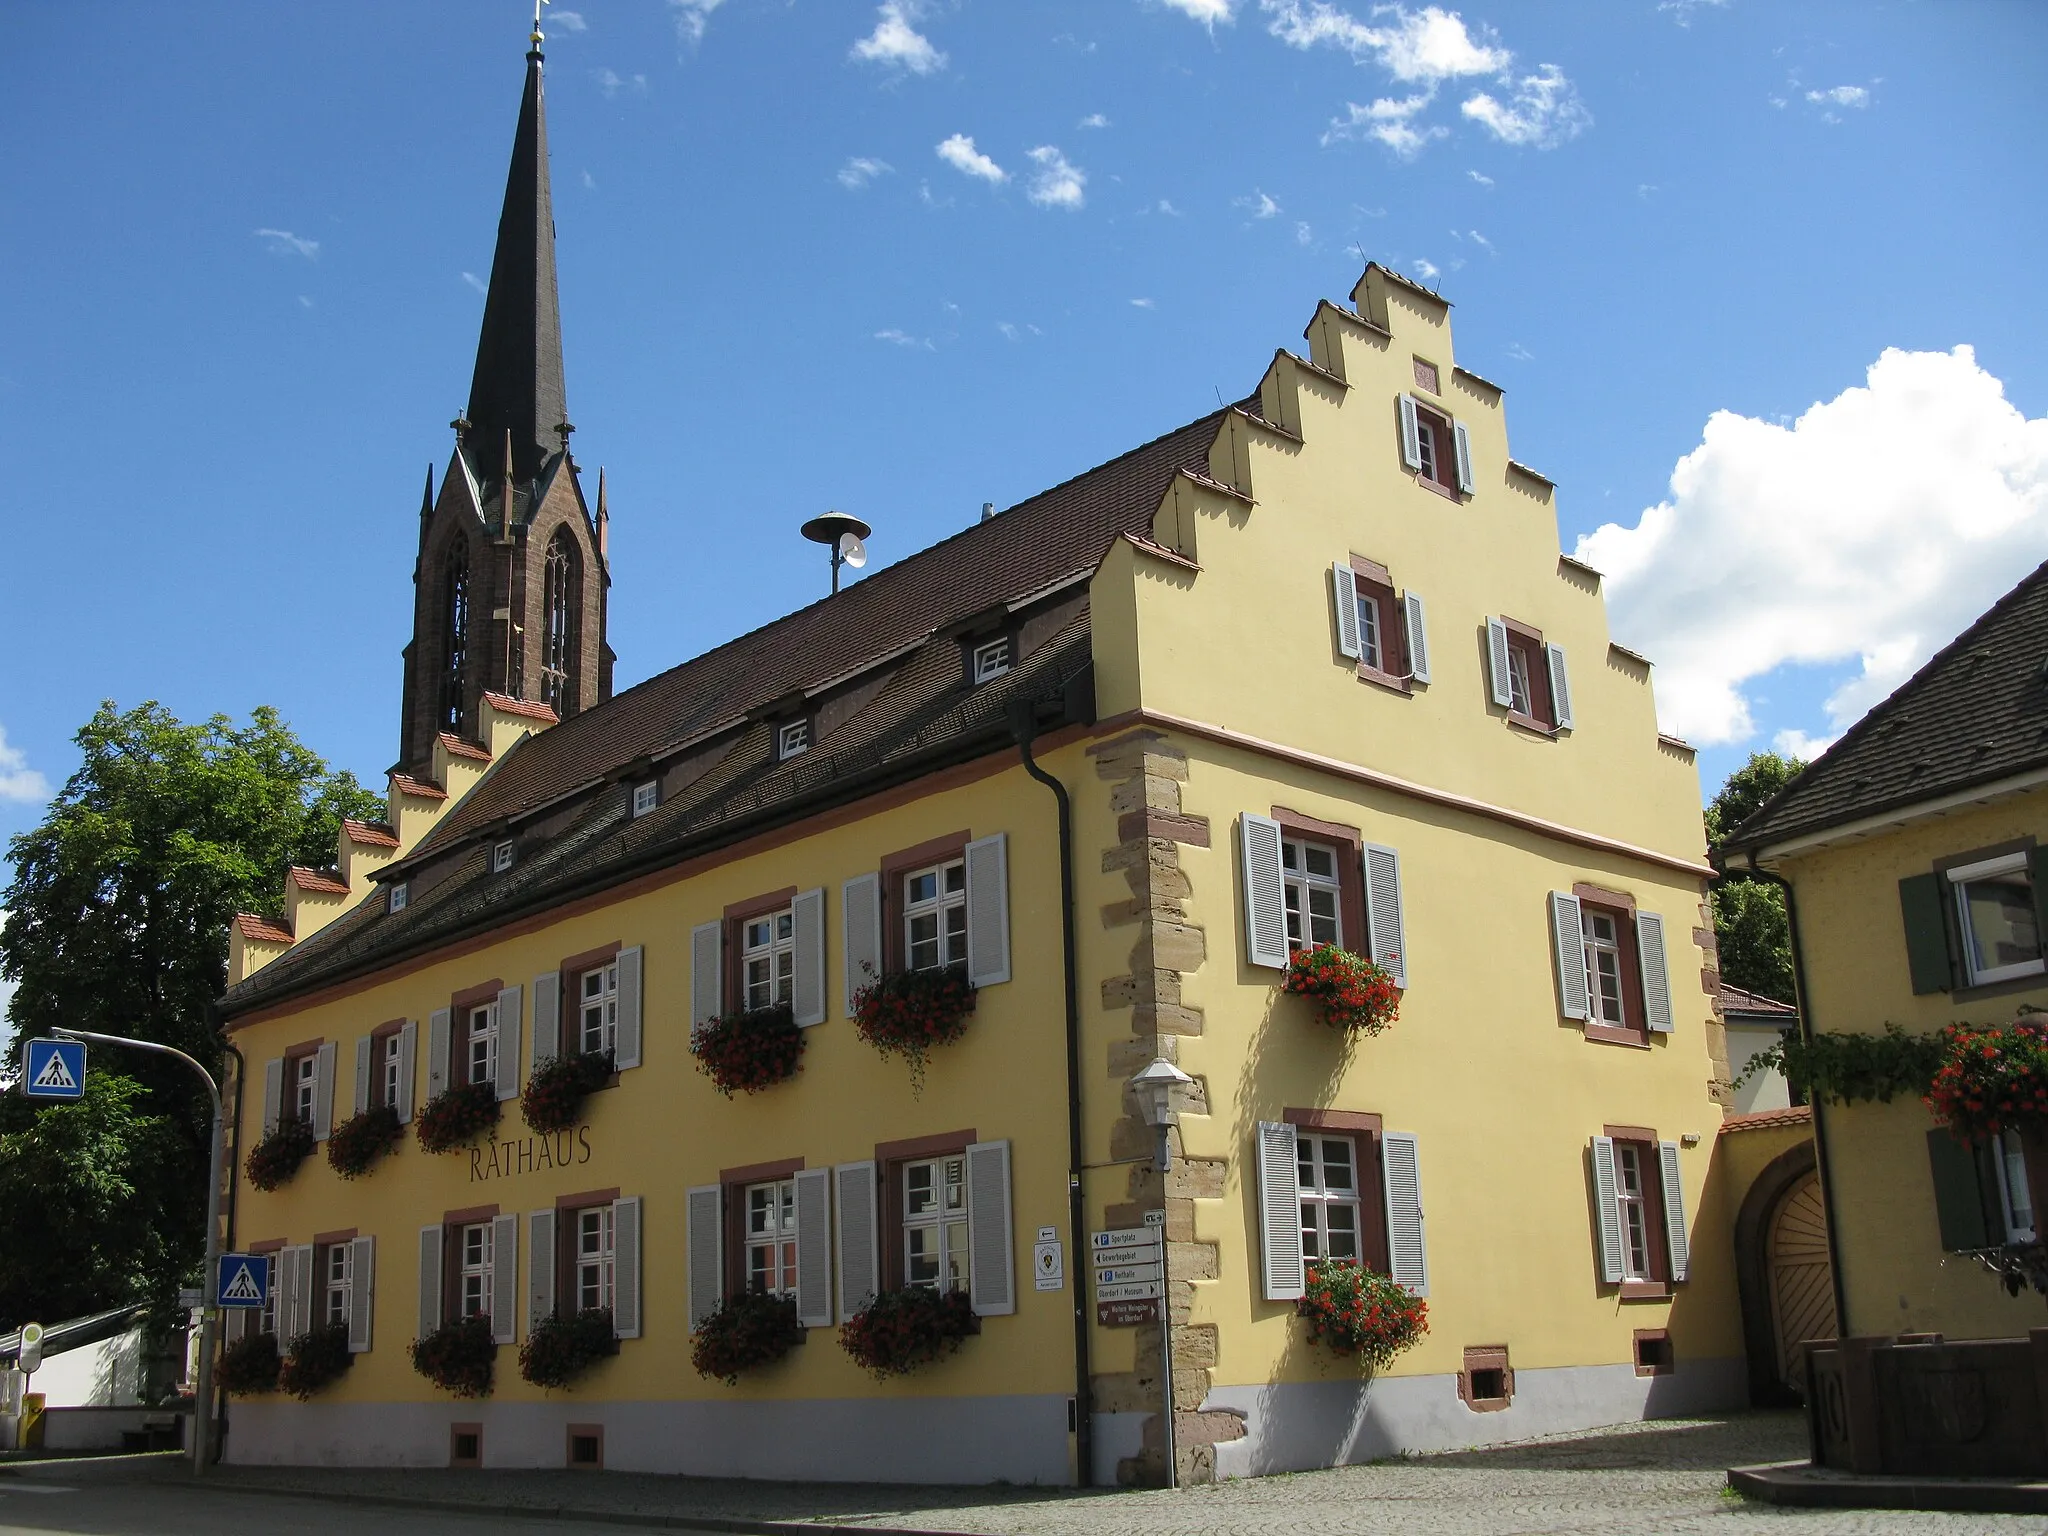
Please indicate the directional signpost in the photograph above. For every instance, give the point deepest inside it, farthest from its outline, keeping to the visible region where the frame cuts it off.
(244, 1280)
(56, 1069)
(1129, 1277)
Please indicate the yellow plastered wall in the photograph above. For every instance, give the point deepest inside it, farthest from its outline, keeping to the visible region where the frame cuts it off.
(1854, 946)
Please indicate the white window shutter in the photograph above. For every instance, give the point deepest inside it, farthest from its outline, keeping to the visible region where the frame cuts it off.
(626, 1247)
(540, 1268)
(273, 1093)
(705, 1213)
(1418, 636)
(431, 1279)
(1560, 687)
(1407, 1253)
(408, 1060)
(988, 911)
(1497, 662)
(1568, 945)
(1265, 898)
(547, 1017)
(362, 1291)
(323, 1092)
(1411, 445)
(1388, 939)
(437, 1053)
(362, 1100)
(707, 978)
(807, 917)
(1674, 1209)
(860, 1257)
(1656, 972)
(1279, 1212)
(632, 991)
(814, 1247)
(284, 1269)
(302, 1290)
(1344, 593)
(1464, 442)
(991, 1266)
(860, 914)
(234, 1323)
(1607, 1208)
(505, 1279)
(511, 1019)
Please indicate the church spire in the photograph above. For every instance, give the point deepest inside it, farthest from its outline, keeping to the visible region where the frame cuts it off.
(517, 387)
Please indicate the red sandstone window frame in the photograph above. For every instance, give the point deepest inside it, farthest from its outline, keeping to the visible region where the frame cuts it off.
(1527, 643)
(1363, 1130)
(1349, 844)
(568, 1208)
(896, 868)
(1655, 1285)
(1621, 907)
(1441, 472)
(890, 1160)
(569, 1008)
(452, 1225)
(380, 1042)
(732, 979)
(460, 1008)
(1374, 584)
(733, 1184)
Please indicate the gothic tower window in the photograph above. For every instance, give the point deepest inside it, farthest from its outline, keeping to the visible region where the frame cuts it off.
(560, 588)
(455, 616)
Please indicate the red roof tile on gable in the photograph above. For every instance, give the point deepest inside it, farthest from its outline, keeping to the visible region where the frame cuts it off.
(457, 747)
(372, 834)
(316, 881)
(506, 704)
(261, 929)
(1768, 1119)
(407, 785)
(1736, 1000)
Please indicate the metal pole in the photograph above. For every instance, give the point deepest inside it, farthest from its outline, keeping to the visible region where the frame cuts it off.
(1166, 1311)
(202, 1388)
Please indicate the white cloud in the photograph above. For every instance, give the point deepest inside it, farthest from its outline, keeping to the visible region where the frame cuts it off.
(1841, 96)
(568, 21)
(282, 242)
(897, 338)
(1144, 304)
(1389, 121)
(1681, 10)
(897, 42)
(1423, 46)
(1207, 12)
(1520, 353)
(1869, 531)
(1009, 331)
(1484, 181)
(1426, 269)
(1303, 235)
(1479, 240)
(1093, 120)
(611, 82)
(1056, 183)
(18, 781)
(1802, 746)
(1543, 112)
(475, 282)
(1259, 205)
(959, 152)
(589, 182)
(1166, 207)
(861, 170)
(691, 16)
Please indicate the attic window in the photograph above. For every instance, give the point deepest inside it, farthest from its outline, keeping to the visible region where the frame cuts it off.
(793, 739)
(645, 797)
(992, 660)
(501, 857)
(396, 898)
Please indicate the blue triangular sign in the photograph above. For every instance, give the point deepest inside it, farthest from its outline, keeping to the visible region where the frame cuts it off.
(56, 1074)
(243, 1287)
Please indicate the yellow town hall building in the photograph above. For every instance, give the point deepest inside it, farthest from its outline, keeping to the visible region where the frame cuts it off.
(1308, 669)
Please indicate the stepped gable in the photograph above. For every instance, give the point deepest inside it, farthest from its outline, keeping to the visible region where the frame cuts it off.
(1055, 534)
(1975, 713)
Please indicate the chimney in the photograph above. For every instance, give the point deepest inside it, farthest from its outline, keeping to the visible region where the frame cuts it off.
(988, 510)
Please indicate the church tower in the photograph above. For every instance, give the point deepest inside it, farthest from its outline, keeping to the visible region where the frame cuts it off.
(510, 586)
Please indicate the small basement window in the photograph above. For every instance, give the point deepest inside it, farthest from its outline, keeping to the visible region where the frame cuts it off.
(466, 1445)
(586, 1446)
(395, 899)
(1487, 1383)
(1654, 1354)
(793, 739)
(992, 659)
(645, 797)
(501, 857)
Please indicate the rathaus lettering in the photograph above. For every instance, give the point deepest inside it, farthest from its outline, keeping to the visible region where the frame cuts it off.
(503, 1159)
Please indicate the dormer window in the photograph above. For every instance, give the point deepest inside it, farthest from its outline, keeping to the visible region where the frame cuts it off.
(793, 739)
(645, 797)
(992, 659)
(395, 898)
(501, 857)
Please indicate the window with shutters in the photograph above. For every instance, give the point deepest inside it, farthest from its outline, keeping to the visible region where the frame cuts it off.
(597, 1008)
(479, 1052)
(1638, 1222)
(1525, 684)
(934, 1204)
(302, 1076)
(1435, 451)
(1609, 952)
(1313, 894)
(1601, 929)
(1330, 1205)
(768, 959)
(1631, 1196)
(267, 1314)
(935, 916)
(1379, 628)
(473, 1269)
(1997, 919)
(592, 1256)
(769, 1216)
(387, 1066)
(334, 1274)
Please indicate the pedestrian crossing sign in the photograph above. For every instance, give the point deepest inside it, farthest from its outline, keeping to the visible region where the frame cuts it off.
(56, 1069)
(244, 1280)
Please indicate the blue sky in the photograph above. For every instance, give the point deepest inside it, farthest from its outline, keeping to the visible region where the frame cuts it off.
(243, 243)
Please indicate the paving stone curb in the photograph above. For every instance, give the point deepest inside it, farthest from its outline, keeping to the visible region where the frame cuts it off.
(1801, 1484)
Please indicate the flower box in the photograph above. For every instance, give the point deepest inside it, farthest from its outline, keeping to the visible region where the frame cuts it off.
(459, 1357)
(274, 1159)
(249, 1365)
(457, 1116)
(750, 1050)
(1351, 1310)
(315, 1361)
(1990, 1079)
(747, 1332)
(906, 1013)
(553, 1097)
(361, 1139)
(1349, 992)
(902, 1330)
(559, 1349)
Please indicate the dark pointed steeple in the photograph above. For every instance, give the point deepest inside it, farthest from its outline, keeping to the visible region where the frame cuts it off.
(517, 387)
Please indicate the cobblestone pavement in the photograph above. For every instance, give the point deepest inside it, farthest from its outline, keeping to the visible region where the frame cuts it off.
(1665, 1476)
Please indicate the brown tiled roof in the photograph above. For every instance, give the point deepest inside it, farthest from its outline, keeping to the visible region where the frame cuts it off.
(457, 747)
(1978, 711)
(405, 784)
(261, 929)
(316, 880)
(1057, 533)
(1736, 1000)
(372, 834)
(1766, 1119)
(506, 704)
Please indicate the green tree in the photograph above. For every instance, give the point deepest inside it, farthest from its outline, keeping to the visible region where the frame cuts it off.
(1750, 927)
(118, 916)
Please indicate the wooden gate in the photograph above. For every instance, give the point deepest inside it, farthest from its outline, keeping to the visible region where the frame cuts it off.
(1802, 1288)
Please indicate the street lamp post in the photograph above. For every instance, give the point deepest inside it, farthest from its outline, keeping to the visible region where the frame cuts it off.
(1153, 1088)
(202, 1388)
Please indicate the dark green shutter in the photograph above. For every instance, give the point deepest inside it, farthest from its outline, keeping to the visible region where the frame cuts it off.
(1965, 1193)
(1922, 903)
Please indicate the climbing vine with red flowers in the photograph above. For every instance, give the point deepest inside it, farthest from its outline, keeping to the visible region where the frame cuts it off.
(1350, 992)
(1991, 1078)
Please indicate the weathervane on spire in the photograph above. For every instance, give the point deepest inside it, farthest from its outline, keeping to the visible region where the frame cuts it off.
(538, 37)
